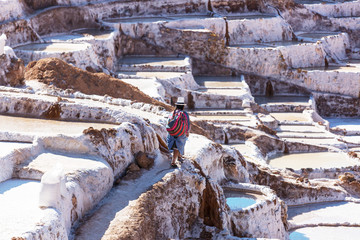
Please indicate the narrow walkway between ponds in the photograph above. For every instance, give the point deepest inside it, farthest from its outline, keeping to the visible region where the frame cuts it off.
(117, 201)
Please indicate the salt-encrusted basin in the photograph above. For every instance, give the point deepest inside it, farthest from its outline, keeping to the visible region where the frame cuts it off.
(238, 199)
(313, 160)
(7, 147)
(22, 125)
(96, 33)
(326, 220)
(316, 35)
(79, 54)
(291, 117)
(249, 16)
(220, 82)
(135, 19)
(258, 212)
(320, 233)
(20, 212)
(330, 213)
(52, 47)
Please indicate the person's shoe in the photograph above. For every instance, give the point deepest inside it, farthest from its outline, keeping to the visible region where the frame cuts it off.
(180, 159)
(173, 165)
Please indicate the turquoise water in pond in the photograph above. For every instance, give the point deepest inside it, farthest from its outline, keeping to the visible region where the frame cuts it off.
(236, 203)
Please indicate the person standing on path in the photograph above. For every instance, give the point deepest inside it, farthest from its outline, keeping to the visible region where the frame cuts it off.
(178, 127)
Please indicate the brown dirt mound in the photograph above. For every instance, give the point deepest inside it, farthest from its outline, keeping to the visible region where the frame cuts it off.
(62, 75)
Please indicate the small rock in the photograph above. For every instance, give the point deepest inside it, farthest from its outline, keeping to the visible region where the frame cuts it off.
(133, 167)
(143, 161)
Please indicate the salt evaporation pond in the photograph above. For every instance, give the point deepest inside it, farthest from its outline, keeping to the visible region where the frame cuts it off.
(33, 125)
(7, 147)
(53, 47)
(18, 215)
(328, 233)
(237, 200)
(310, 160)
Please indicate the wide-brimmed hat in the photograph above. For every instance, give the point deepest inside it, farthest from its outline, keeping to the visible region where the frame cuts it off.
(180, 101)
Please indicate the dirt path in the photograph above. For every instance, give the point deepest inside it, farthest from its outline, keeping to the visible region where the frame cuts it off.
(118, 199)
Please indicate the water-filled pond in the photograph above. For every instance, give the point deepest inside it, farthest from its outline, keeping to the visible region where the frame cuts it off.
(47, 127)
(321, 233)
(297, 161)
(237, 200)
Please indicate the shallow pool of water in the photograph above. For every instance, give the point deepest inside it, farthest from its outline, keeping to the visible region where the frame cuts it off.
(237, 200)
(291, 117)
(328, 233)
(324, 213)
(46, 127)
(249, 16)
(220, 82)
(53, 47)
(135, 19)
(153, 61)
(236, 203)
(297, 161)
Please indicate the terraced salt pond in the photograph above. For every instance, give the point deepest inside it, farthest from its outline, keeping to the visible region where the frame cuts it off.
(324, 213)
(297, 161)
(295, 100)
(339, 216)
(291, 117)
(7, 147)
(22, 125)
(19, 216)
(53, 47)
(237, 200)
(329, 233)
(160, 75)
(352, 66)
(220, 82)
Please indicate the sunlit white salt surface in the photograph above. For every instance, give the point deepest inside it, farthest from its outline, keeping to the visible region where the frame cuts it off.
(53, 47)
(242, 148)
(224, 117)
(161, 75)
(237, 200)
(154, 61)
(325, 213)
(19, 211)
(295, 100)
(290, 117)
(46, 127)
(328, 233)
(8, 147)
(299, 128)
(220, 82)
(223, 91)
(69, 162)
(350, 124)
(96, 33)
(297, 161)
(351, 66)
